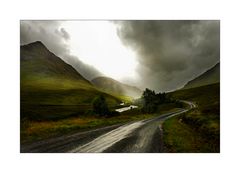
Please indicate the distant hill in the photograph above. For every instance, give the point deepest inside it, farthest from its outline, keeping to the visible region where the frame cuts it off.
(110, 85)
(51, 88)
(211, 76)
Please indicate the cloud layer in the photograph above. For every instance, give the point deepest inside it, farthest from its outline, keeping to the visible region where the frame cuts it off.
(55, 37)
(170, 53)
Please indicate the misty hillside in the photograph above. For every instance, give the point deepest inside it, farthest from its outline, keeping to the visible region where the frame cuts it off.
(110, 85)
(37, 60)
(211, 76)
(52, 88)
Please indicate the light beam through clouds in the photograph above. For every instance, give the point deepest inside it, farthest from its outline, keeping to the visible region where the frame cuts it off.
(97, 43)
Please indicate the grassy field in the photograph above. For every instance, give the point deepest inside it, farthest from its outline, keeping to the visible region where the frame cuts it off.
(199, 129)
(57, 98)
(51, 108)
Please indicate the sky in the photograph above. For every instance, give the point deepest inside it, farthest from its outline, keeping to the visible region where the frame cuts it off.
(160, 55)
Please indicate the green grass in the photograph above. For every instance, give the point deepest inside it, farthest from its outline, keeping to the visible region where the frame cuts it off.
(37, 130)
(124, 98)
(32, 130)
(179, 137)
(45, 104)
(167, 107)
(199, 129)
(56, 98)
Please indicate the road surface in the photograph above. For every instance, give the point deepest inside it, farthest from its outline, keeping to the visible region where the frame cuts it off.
(143, 136)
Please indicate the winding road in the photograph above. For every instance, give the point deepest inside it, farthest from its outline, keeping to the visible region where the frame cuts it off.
(143, 136)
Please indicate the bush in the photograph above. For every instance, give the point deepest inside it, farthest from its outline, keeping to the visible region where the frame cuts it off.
(100, 106)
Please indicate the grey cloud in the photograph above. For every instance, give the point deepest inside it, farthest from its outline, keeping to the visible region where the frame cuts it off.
(55, 38)
(85, 70)
(62, 32)
(170, 53)
(44, 31)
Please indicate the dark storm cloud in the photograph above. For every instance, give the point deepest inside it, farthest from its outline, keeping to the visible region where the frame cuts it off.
(170, 53)
(55, 38)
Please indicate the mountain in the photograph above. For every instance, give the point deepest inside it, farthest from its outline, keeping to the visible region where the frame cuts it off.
(51, 88)
(110, 85)
(211, 76)
(37, 60)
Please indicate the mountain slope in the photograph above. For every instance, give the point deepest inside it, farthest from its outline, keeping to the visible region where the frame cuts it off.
(51, 88)
(38, 61)
(110, 85)
(211, 76)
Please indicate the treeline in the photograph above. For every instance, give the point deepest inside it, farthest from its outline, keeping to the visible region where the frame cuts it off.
(151, 100)
(148, 102)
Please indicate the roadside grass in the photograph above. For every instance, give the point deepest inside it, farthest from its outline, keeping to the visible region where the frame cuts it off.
(181, 138)
(32, 130)
(37, 130)
(197, 130)
(168, 107)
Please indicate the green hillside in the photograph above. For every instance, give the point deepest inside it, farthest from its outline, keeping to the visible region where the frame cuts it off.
(112, 86)
(199, 129)
(211, 76)
(51, 88)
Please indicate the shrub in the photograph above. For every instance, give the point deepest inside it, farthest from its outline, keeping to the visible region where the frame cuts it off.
(100, 106)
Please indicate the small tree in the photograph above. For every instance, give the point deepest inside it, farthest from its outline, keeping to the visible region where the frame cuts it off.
(100, 106)
(150, 101)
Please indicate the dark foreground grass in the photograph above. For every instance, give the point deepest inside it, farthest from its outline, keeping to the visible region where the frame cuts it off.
(179, 137)
(54, 103)
(199, 129)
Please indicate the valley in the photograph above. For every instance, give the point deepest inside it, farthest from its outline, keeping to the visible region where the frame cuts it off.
(57, 113)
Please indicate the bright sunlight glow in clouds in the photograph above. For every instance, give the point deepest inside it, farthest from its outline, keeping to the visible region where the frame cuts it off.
(161, 55)
(97, 43)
